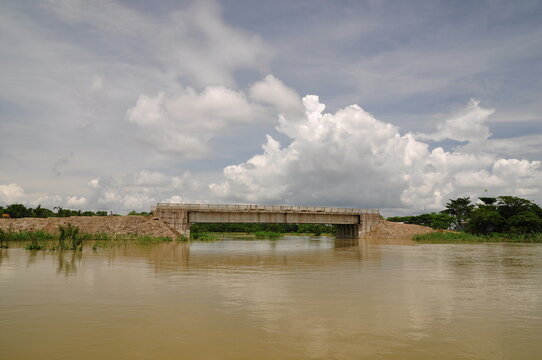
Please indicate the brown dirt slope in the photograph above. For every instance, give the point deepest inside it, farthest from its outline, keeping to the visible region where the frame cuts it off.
(387, 232)
(126, 225)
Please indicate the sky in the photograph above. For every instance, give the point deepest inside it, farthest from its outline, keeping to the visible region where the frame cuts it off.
(400, 106)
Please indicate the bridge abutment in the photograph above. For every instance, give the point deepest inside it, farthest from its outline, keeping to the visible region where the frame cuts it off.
(176, 219)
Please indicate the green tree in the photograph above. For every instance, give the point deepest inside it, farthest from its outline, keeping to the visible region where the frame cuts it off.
(460, 209)
(433, 220)
(484, 220)
(488, 200)
(521, 215)
(40, 212)
(18, 211)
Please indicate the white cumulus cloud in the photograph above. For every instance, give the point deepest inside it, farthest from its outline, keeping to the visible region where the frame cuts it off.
(352, 159)
(11, 193)
(272, 91)
(184, 124)
(76, 202)
(467, 125)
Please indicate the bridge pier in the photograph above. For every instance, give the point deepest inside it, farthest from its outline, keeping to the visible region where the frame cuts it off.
(348, 231)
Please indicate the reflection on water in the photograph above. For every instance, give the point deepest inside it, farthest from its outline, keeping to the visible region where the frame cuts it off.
(68, 261)
(293, 298)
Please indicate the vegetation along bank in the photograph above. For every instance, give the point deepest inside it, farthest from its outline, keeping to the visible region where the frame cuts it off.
(490, 219)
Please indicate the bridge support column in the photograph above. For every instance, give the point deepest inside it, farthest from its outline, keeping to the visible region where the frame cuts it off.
(349, 231)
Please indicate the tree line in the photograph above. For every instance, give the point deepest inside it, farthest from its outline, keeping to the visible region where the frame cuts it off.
(21, 211)
(316, 229)
(501, 214)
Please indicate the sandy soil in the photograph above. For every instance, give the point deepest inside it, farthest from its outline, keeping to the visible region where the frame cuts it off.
(387, 232)
(140, 225)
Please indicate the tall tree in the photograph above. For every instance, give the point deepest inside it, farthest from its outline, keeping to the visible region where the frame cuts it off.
(460, 209)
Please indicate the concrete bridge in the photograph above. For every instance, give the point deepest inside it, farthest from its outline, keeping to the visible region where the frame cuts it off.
(350, 223)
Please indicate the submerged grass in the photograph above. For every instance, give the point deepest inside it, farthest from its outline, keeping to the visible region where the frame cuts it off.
(466, 238)
(69, 238)
(150, 240)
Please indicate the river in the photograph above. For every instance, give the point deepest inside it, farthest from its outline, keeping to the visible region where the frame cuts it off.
(292, 298)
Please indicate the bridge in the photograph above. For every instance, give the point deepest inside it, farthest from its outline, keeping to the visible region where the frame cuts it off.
(350, 223)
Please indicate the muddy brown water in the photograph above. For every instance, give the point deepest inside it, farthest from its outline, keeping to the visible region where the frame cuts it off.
(293, 298)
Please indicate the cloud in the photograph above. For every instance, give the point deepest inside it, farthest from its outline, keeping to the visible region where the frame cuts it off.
(520, 146)
(94, 183)
(11, 193)
(76, 202)
(192, 43)
(61, 163)
(142, 190)
(467, 125)
(150, 178)
(184, 124)
(352, 159)
(272, 91)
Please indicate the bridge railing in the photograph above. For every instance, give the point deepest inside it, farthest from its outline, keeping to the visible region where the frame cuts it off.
(266, 208)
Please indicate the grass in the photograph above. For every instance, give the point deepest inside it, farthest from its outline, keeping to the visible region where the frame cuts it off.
(150, 240)
(267, 235)
(38, 235)
(204, 236)
(466, 238)
(70, 238)
(35, 244)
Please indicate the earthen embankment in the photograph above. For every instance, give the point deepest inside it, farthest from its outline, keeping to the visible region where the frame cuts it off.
(122, 225)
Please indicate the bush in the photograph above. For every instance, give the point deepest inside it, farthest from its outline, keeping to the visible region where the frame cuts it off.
(34, 243)
(70, 232)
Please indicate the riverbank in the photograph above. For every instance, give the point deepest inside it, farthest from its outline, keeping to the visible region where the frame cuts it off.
(450, 237)
(131, 225)
(392, 233)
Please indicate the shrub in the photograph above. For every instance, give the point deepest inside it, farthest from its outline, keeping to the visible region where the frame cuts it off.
(70, 232)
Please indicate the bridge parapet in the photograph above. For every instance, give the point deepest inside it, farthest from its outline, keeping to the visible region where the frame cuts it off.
(264, 208)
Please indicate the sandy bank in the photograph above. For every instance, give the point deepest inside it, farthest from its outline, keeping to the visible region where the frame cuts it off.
(387, 232)
(126, 225)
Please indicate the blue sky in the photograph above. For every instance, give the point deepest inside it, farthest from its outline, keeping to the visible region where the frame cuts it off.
(120, 104)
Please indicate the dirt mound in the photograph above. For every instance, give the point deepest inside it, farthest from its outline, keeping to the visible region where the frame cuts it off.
(126, 225)
(387, 232)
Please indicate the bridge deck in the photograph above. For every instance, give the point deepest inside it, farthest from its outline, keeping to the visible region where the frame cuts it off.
(264, 208)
